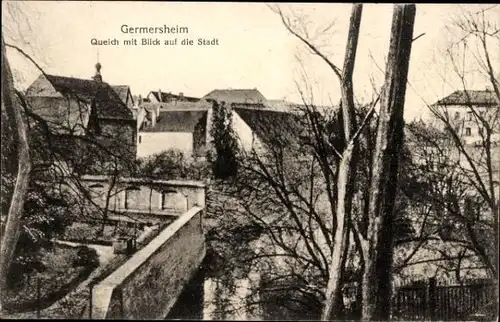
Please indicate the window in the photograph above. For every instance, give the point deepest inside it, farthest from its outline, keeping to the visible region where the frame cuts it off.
(139, 139)
(470, 116)
(457, 115)
(467, 131)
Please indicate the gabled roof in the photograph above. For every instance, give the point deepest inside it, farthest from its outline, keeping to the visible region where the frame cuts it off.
(252, 96)
(122, 91)
(107, 102)
(167, 97)
(178, 121)
(474, 97)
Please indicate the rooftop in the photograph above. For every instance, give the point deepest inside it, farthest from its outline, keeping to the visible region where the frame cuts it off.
(167, 97)
(122, 92)
(252, 96)
(467, 97)
(178, 105)
(108, 103)
(273, 127)
(177, 121)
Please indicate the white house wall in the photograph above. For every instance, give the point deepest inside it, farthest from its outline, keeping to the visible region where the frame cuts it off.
(140, 117)
(245, 135)
(149, 143)
(463, 122)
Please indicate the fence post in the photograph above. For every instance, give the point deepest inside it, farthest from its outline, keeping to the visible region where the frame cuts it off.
(38, 302)
(91, 288)
(122, 311)
(431, 298)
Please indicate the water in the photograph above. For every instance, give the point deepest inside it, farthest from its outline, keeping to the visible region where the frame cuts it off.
(231, 286)
(211, 297)
(219, 296)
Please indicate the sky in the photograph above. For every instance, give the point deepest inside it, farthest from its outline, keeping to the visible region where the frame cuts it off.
(254, 48)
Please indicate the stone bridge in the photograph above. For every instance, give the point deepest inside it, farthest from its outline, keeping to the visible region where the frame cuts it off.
(148, 284)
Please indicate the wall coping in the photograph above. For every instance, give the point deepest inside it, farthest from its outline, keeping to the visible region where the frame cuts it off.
(176, 183)
(130, 266)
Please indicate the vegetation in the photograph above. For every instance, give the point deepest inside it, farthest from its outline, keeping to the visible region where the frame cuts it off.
(172, 164)
(64, 268)
(225, 163)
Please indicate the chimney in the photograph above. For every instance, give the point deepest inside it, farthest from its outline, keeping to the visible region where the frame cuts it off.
(97, 77)
(181, 95)
(159, 96)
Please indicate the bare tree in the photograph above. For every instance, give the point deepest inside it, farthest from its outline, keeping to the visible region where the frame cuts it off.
(12, 107)
(346, 169)
(390, 123)
(378, 247)
(457, 218)
(51, 155)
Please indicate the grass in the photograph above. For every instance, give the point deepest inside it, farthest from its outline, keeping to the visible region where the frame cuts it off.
(96, 233)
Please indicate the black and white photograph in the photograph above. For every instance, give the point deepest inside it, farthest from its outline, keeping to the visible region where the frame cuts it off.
(250, 161)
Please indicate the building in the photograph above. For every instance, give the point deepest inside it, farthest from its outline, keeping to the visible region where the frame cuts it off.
(465, 108)
(173, 125)
(263, 129)
(466, 174)
(186, 125)
(125, 95)
(162, 97)
(88, 118)
(239, 96)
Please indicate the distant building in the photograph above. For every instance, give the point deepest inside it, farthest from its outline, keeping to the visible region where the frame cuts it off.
(264, 129)
(87, 117)
(186, 125)
(240, 96)
(461, 107)
(162, 97)
(174, 125)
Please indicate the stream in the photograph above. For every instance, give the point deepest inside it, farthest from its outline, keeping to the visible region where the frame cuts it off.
(221, 295)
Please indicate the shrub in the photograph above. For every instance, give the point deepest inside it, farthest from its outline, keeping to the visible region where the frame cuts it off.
(86, 256)
(224, 163)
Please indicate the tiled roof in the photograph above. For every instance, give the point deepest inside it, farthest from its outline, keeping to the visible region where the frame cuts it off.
(167, 97)
(285, 106)
(108, 103)
(122, 92)
(179, 105)
(178, 121)
(60, 116)
(273, 127)
(252, 96)
(474, 97)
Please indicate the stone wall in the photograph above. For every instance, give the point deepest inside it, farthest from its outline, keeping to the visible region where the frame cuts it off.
(149, 283)
(158, 197)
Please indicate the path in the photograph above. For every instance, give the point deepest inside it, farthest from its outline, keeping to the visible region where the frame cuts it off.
(105, 252)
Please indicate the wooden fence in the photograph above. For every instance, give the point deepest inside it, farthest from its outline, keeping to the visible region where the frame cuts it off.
(429, 301)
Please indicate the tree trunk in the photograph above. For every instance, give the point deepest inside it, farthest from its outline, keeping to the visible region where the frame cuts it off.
(378, 263)
(346, 171)
(14, 217)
